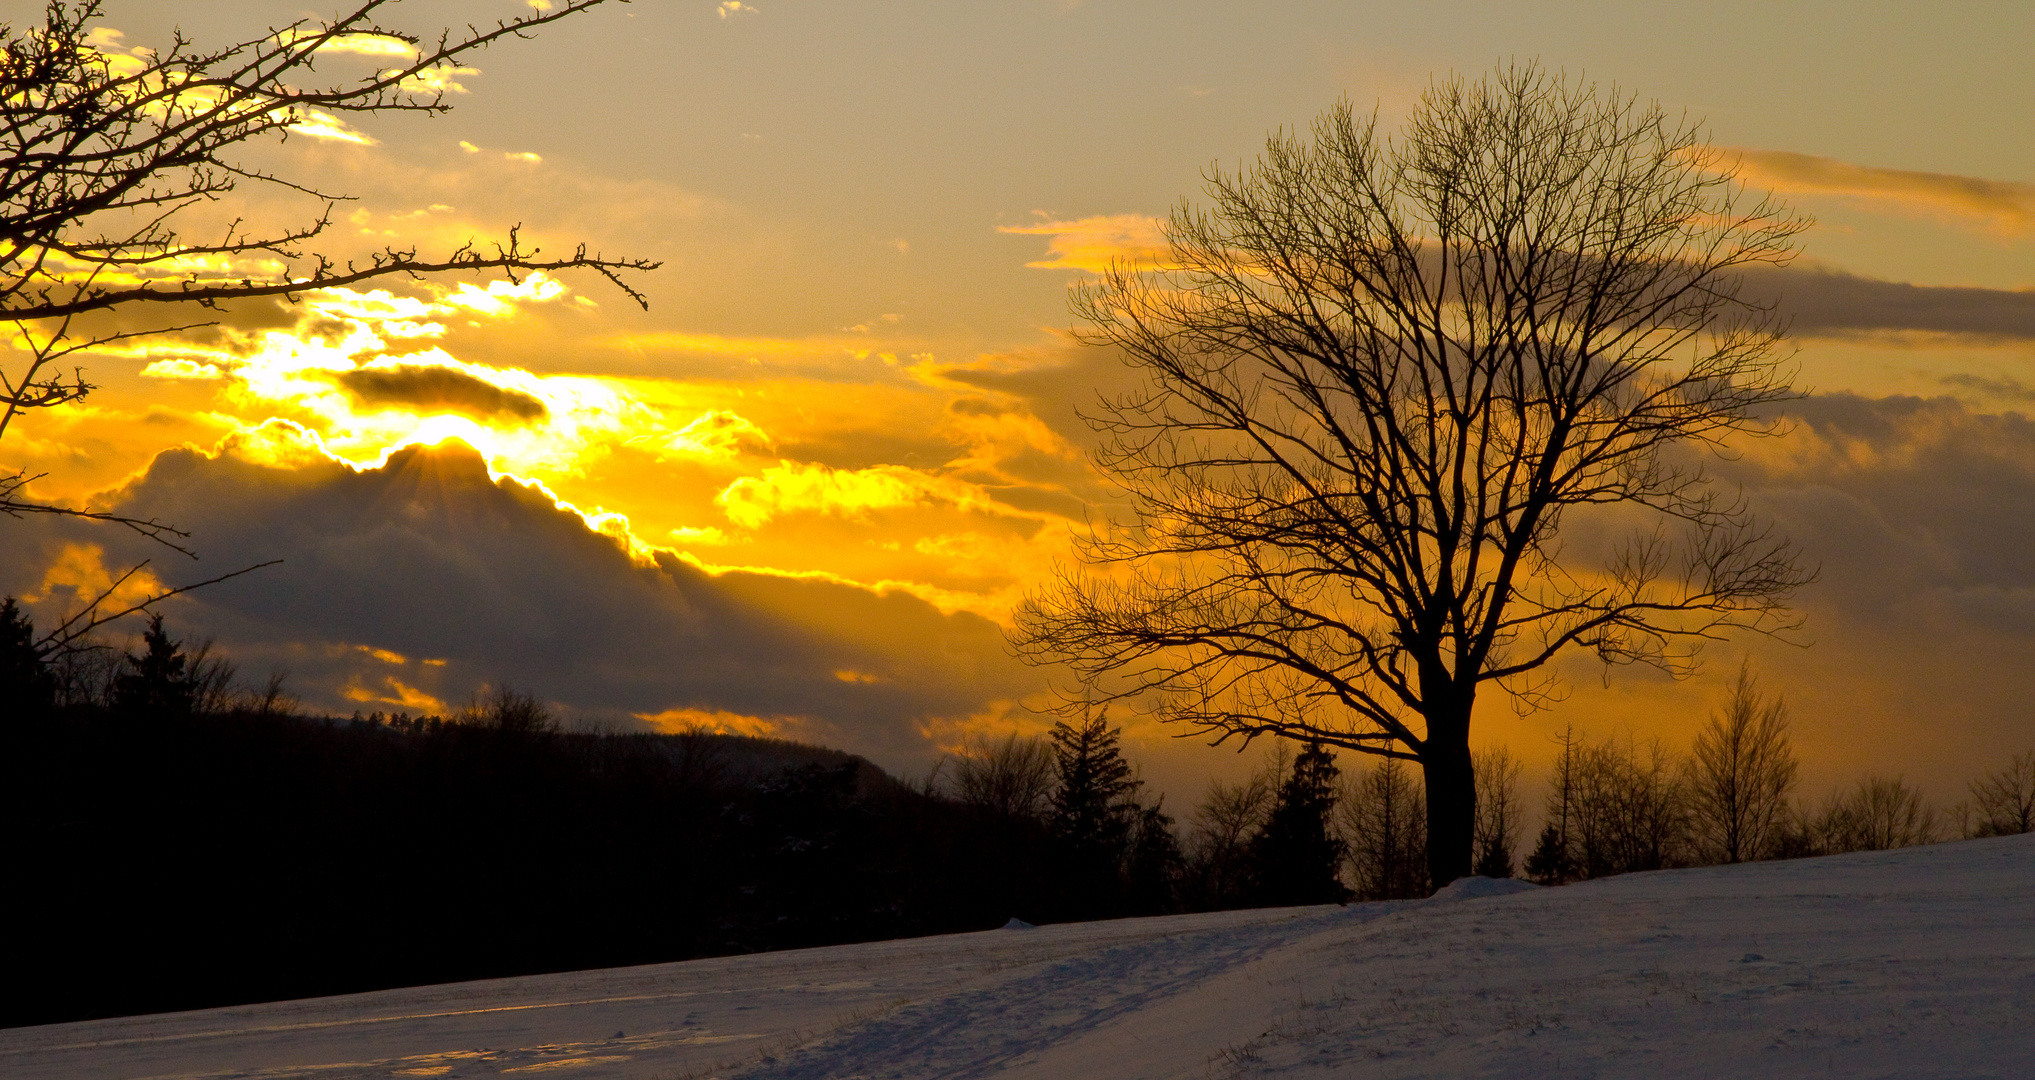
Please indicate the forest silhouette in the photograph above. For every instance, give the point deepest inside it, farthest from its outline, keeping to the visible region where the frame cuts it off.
(181, 843)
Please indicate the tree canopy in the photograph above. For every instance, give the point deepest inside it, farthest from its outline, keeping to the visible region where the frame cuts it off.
(1388, 381)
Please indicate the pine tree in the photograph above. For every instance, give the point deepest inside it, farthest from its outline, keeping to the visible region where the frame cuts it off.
(1550, 863)
(1093, 812)
(26, 686)
(1154, 867)
(1297, 859)
(158, 682)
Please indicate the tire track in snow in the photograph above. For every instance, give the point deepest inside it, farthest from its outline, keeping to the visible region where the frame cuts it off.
(989, 1026)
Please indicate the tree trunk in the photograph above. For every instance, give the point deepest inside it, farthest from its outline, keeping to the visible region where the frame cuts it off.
(1451, 794)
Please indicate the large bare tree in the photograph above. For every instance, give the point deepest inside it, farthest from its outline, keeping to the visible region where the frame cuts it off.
(105, 155)
(1386, 381)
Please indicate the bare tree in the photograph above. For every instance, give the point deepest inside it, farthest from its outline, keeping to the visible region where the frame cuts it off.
(1221, 828)
(1384, 823)
(1385, 377)
(2003, 804)
(1229, 813)
(1013, 777)
(1742, 774)
(1878, 815)
(1498, 810)
(104, 155)
(1631, 808)
(1553, 861)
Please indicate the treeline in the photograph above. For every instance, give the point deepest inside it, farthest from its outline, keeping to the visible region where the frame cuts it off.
(178, 841)
(1615, 807)
(1612, 807)
(1618, 806)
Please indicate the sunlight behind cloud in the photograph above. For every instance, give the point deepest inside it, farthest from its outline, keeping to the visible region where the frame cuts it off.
(359, 371)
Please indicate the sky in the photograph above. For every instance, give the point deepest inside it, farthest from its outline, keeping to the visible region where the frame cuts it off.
(801, 493)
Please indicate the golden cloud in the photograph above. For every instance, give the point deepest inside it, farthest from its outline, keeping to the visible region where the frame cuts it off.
(166, 93)
(718, 722)
(791, 487)
(394, 691)
(80, 571)
(2006, 206)
(719, 433)
(1097, 242)
(356, 374)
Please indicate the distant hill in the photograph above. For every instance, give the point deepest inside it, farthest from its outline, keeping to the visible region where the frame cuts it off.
(174, 862)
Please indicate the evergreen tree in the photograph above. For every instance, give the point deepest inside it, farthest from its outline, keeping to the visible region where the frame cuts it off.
(1154, 867)
(1550, 863)
(1297, 859)
(1494, 860)
(26, 686)
(158, 682)
(1093, 812)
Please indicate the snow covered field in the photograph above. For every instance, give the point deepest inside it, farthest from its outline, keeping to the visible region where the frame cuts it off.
(1911, 963)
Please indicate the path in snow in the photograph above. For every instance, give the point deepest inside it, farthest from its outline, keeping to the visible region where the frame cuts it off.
(1913, 963)
(662, 1020)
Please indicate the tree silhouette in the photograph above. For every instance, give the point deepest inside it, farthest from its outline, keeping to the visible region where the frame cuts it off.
(1093, 811)
(1741, 775)
(1298, 860)
(1497, 811)
(156, 683)
(2004, 801)
(1382, 815)
(1550, 862)
(1154, 865)
(25, 683)
(1385, 380)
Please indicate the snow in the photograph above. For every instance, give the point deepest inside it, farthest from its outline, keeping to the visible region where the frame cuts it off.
(1911, 963)
(1471, 888)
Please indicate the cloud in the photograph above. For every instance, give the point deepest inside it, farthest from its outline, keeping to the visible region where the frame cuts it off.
(363, 371)
(1818, 301)
(429, 556)
(1095, 243)
(719, 433)
(428, 388)
(1821, 302)
(733, 7)
(2005, 206)
(793, 487)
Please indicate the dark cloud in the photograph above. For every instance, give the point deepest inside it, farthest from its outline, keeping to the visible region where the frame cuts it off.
(1921, 626)
(430, 388)
(1821, 302)
(427, 559)
(2001, 387)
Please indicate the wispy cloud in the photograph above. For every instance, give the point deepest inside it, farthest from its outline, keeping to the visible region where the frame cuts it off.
(2006, 206)
(1094, 243)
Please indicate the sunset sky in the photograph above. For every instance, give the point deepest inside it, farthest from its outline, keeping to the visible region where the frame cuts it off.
(842, 441)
